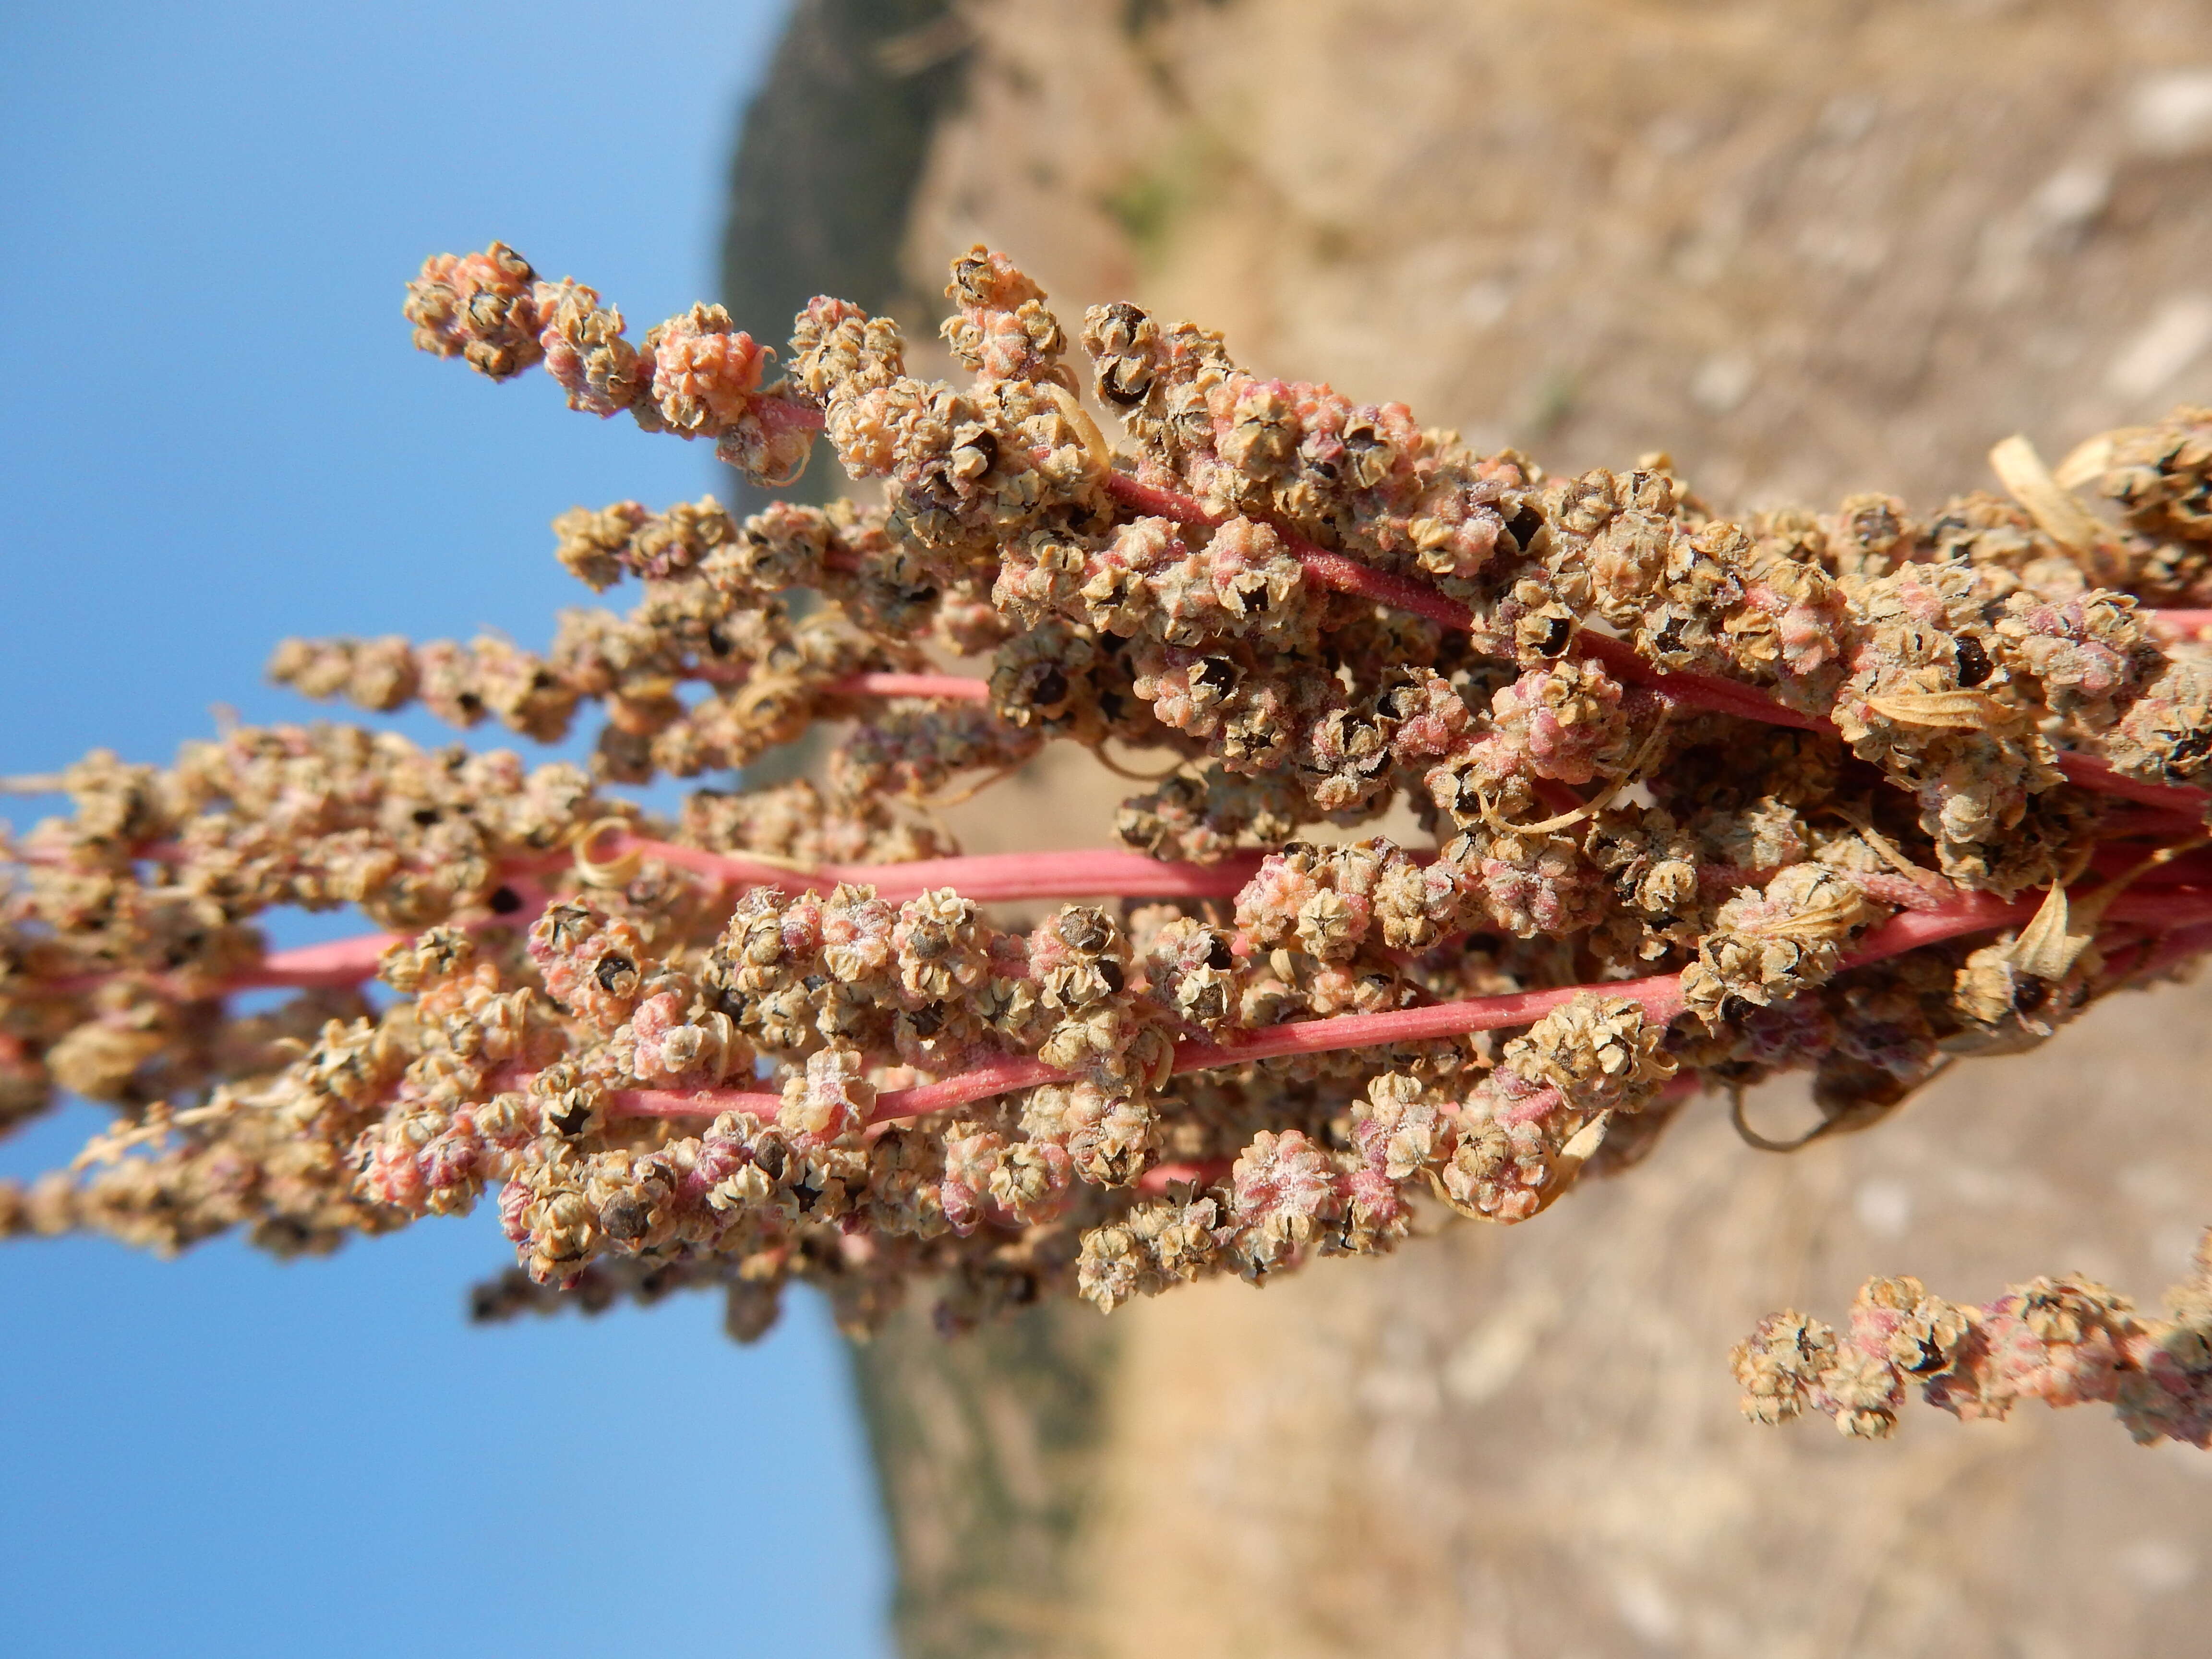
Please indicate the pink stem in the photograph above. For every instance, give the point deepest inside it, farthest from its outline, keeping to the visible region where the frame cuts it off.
(965, 687)
(2185, 624)
(1970, 913)
(332, 965)
(329, 966)
(1977, 913)
(986, 877)
(49, 856)
(1346, 574)
(1157, 1179)
(787, 414)
(1332, 570)
(701, 1102)
(2088, 772)
(999, 1078)
(1103, 873)
(1706, 691)
(337, 962)
(1691, 691)
(1660, 993)
(962, 686)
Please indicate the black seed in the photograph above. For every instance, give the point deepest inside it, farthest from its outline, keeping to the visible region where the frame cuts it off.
(927, 1021)
(1125, 381)
(805, 1195)
(611, 968)
(1974, 665)
(505, 900)
(425, 816)
(2030, 994)
(1110, 971)
(1556, 636)
(1523, 526)
(1218, 673)
(574, 1121)
(1218, 955)
(1051, 688)
(1670, 637)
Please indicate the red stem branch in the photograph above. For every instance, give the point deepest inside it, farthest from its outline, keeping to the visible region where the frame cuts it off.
(1690, 691)
(986, 877)
(787, 413)
(1103, 873)
(1660, 993)
(2182, 624)
(330, 966)
(965, 687)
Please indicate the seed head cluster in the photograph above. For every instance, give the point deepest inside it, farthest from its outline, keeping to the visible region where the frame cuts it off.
(1682, 802)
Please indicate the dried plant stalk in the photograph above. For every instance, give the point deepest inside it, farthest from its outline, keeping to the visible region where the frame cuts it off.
(1701, 801)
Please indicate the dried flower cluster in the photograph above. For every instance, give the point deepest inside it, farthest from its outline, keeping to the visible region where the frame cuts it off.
(2064, 1341)
(1697, 801)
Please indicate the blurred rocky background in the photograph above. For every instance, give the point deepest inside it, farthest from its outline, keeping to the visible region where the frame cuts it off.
(1807, 247)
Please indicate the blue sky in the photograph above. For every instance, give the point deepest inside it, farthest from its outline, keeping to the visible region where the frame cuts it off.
(213, 433)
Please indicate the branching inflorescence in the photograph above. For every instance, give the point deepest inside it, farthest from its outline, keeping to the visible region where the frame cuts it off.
(1699, 801)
